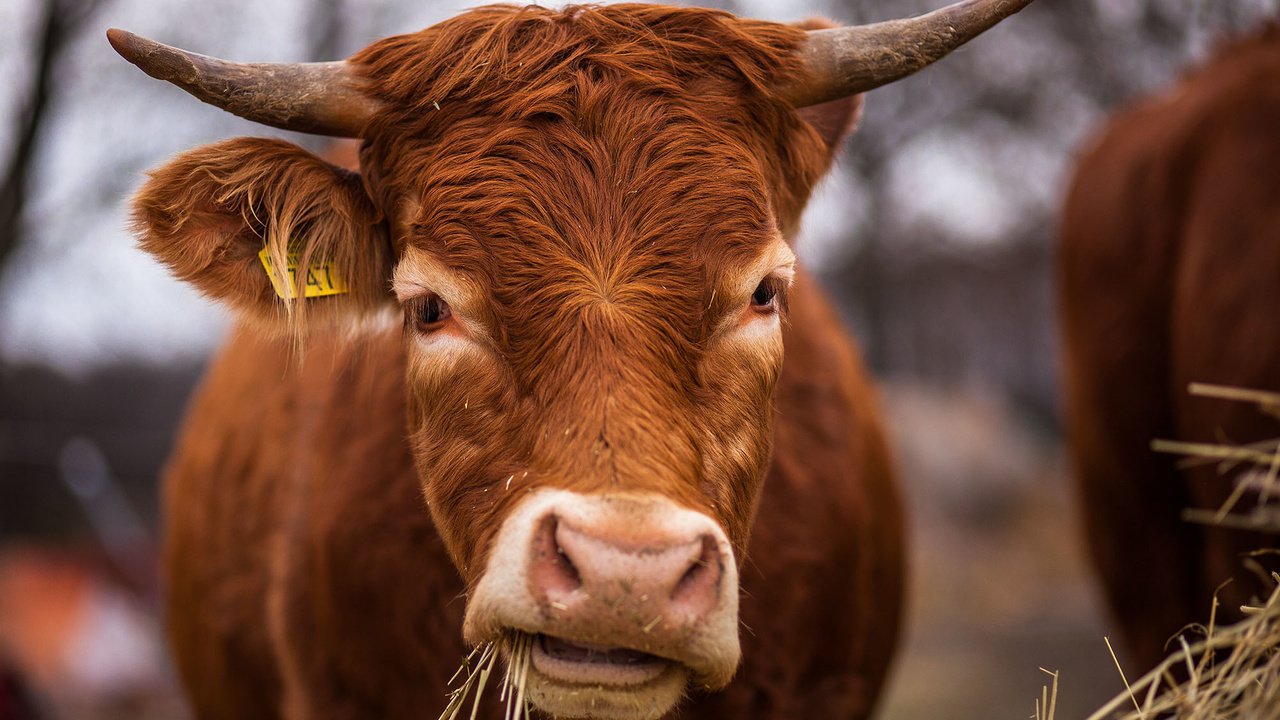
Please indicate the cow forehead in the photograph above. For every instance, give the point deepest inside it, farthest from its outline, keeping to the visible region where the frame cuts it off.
(530, 292)
(556, 240)
(623, 206)
(643, 122)
(627, 277)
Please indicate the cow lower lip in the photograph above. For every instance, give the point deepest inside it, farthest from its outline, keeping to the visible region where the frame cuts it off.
(578, 662)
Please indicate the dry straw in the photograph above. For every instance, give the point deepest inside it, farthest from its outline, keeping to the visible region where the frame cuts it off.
(1233, 672)
(1047, 704)
(478, 666)
(1261, 479)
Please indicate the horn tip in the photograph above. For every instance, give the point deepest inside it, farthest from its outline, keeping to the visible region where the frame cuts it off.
(155, 59)
(128, 45)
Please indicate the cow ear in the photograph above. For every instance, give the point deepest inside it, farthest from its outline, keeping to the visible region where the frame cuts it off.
(836, 120)
(258, 223)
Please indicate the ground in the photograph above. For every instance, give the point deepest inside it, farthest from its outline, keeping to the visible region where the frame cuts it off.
(999, 584)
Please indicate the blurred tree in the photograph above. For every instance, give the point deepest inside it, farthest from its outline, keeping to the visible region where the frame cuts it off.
(58, 24)
(325, 40)
(945, 265)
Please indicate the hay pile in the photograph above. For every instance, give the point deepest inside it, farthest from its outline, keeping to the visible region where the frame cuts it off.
(1234, 671)
(1245, 685)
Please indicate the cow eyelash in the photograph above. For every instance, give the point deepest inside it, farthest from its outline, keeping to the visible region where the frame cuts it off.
(428, 312)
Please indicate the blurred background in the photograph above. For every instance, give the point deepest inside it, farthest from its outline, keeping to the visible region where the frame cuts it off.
(934, 234)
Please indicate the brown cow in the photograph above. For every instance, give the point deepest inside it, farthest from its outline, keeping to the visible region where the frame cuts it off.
(1170, 274)
(581, 216)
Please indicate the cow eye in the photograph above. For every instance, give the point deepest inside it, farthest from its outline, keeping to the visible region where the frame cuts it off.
(430, 312)
(765, 298)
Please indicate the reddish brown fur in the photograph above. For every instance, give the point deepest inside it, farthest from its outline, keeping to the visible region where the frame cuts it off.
(603, 176)
(1171, 275)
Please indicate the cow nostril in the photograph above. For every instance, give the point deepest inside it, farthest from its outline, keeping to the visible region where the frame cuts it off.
(552, 569)
(566, 562)
(698, 588)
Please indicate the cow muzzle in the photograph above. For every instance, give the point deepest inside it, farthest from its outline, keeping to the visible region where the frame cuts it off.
(627, 599)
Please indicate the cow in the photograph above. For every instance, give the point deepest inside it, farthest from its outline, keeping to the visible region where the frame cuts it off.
(1168, 264)
(518, 381)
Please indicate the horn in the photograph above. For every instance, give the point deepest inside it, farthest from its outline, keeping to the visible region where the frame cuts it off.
(319, 98)
(849, 60)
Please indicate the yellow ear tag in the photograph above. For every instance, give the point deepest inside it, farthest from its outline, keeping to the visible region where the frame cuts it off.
(322, 278)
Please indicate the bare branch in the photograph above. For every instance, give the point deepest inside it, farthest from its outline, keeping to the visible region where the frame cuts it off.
(58, 25)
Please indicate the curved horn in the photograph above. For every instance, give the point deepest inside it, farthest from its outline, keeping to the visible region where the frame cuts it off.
(319, 98)
(848, 60)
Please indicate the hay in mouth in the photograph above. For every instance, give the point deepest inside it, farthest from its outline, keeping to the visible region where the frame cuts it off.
(558, 660)
(477, 667)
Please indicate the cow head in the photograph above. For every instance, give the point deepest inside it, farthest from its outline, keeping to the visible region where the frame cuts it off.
(581, 217)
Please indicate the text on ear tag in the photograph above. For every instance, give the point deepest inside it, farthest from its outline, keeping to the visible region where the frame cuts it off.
(322, 278)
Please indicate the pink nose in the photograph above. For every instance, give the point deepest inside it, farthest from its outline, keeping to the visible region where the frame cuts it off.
(652, 578)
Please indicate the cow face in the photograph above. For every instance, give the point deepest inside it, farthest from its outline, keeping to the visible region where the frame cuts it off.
(580, 216)
(593, 283)
(605, 313)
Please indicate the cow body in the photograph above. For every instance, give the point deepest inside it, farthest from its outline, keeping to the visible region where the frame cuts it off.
(1170, 262)
(305, 574)
(537, 405)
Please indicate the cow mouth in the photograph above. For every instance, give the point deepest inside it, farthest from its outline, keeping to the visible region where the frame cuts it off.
(582, 663)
